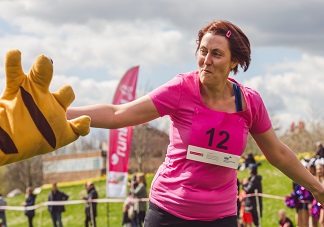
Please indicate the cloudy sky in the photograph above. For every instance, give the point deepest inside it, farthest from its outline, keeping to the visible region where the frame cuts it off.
(93, 43)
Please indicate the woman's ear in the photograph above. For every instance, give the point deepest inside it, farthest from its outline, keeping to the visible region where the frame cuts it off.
(234, 64)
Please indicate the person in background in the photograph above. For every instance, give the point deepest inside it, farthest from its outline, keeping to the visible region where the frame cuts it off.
(249, 159)
(320, 150)
(305, 199)
(311, 166)
(91, 207)
(30, 199)
(317, 210)
(3, 202)
(284, 221)
(132, 186)
(140, 193)
(134, 182)
(245, 212)
(253, 204)
(209, 111)
(238, 202)
(56, 210)
(312, 214)
(128, 211)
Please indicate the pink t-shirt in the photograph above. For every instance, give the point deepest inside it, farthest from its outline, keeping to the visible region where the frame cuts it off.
(194, 190)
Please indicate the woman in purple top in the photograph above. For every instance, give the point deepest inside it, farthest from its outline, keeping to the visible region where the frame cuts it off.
(211, 116)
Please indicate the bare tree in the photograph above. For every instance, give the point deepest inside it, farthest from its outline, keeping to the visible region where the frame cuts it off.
(25, 173)
(4, 189)
(147, 143)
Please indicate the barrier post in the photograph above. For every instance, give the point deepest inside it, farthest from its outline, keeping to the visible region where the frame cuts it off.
(258, 205)
(91, 213)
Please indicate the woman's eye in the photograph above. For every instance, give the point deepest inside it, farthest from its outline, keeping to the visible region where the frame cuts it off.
(203, 52)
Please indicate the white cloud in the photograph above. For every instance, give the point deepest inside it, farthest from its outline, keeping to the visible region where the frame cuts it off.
(87, 91)
(295, 94)
(111, 47)
(294, 24)
(94, 42)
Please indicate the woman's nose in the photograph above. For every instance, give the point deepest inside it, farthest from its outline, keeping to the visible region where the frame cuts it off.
(208, 59)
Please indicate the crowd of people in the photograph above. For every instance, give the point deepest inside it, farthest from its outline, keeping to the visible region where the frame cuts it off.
(56, 209)
(133, 218)
(309, 211)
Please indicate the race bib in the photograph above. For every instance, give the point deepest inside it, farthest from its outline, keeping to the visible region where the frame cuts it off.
(217, 138)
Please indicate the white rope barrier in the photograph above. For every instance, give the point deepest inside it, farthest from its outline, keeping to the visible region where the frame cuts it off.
(105, 200)
(109, 200)
(67, 202)
(266, 196)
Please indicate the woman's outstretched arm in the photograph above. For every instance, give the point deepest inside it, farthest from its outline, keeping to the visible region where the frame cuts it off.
(112, 116)
(282, 157)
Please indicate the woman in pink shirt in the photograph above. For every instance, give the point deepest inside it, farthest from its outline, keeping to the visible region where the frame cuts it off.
(211, 116)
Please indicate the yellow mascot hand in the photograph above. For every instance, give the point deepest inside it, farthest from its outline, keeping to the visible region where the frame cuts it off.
(33, 120)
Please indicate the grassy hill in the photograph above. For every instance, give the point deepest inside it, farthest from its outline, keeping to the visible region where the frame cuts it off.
(274, 183)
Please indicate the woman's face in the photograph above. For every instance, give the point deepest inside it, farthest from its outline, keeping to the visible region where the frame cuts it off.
(214, 59)
(320, 170)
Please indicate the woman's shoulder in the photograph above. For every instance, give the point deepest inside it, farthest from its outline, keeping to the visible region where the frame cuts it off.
(188, 76)
(180, 80)
(179, 84)
(188, 80)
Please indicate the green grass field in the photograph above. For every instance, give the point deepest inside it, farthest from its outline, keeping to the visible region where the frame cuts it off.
(274, 183)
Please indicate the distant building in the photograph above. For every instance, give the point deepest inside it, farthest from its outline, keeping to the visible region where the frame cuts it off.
(73, 167)
(91, 164)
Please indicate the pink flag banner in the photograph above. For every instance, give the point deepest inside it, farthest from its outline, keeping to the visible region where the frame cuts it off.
(120, 140)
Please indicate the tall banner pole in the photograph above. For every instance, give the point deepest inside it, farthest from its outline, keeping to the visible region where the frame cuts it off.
(120, 140)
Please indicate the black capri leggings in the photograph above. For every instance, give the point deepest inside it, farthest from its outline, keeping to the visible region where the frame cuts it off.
(156, 217)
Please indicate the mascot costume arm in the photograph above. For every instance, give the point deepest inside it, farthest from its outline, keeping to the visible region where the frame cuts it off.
(33, 120)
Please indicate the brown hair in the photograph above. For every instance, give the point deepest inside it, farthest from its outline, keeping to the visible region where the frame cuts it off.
(239, 44)
(142, 178)
(29, 191)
